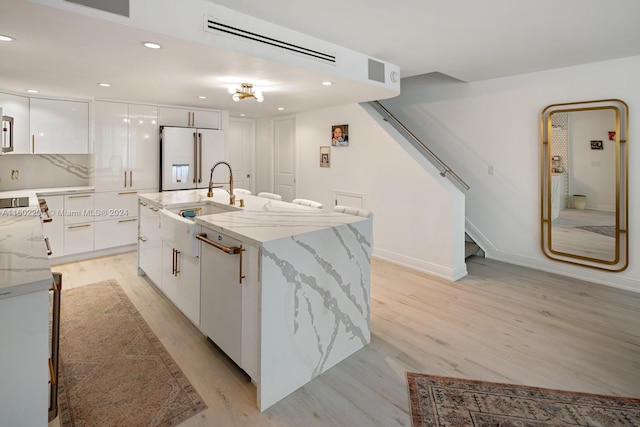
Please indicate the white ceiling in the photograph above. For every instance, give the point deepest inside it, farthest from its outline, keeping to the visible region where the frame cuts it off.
(65, 55)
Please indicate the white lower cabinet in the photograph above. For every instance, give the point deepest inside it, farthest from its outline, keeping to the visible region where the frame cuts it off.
(116, 219)
(181, 281)
(78, 238)
(150, 243)
(78, 223)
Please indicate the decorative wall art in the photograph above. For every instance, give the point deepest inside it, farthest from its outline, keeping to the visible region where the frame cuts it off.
(340, 135)
(597, 145)
(325, 156)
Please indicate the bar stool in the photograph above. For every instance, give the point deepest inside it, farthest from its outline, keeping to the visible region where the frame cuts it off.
(353, 211)
(241, 191)
(307, 202)
(270, 195)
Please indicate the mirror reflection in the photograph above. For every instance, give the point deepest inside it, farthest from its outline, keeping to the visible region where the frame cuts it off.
(584, 183)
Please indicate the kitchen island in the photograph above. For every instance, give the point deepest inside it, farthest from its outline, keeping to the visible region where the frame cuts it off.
(25, 279)
(285, 289)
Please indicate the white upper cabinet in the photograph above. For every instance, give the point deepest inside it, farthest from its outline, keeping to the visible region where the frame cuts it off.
(17, 107)
(189, 117)
(126, 146)
(59, 127)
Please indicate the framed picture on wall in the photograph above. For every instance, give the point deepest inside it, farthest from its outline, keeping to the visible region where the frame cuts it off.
(325, 156)
(340, 135)
(597, 145)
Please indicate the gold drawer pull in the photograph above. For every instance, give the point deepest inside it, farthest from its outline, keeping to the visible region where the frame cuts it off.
(80, 226)
(128, 220)
(81, 196)
(127, 192)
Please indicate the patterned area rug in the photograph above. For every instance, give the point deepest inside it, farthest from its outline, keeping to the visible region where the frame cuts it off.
(607, 230)
(452, 402)
(113, 370)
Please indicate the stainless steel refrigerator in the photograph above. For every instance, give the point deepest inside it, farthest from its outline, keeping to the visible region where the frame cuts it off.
(187, 155)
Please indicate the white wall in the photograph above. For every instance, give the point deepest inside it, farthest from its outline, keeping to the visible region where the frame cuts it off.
(417, 214)
(496, 123)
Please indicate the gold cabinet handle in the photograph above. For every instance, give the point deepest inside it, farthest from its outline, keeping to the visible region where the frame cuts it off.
(200, 157)
(195, 155)
(46, 241)
(80, 226)
(125, 179)
(122, 193)
(231, 250)
(130, 178)
(127, 220)
(33, 143)
(80, 196)
(52, 374)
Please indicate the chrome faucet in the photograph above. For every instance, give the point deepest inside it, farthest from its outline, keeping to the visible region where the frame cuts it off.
(232, 197)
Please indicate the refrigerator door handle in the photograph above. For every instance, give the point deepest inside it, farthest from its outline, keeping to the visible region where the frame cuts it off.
(195, 157)
(200, 157)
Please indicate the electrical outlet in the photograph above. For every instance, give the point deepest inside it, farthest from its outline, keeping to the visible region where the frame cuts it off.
(15, 174)
(491, 171)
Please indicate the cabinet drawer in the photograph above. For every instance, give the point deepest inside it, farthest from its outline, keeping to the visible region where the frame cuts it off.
(116, 205)
(78, 238)
(115, 232)
(78, 208)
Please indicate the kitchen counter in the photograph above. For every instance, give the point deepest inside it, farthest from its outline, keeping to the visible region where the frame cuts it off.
(261, 220)
(24, 264)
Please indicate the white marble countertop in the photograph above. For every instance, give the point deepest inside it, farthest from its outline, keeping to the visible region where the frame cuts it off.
(261, 220)
(24, 264)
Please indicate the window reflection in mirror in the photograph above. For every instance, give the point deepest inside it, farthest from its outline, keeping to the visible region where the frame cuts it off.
(584, 183)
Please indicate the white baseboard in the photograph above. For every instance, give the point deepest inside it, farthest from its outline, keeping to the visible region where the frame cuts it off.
(421, 265)
(93, 254)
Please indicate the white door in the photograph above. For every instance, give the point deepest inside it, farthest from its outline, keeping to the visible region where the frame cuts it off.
(211, 149)
(241, 137)
(285, 158)
(178, 158)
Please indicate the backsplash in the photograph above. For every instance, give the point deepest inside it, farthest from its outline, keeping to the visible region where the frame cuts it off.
(45, 170)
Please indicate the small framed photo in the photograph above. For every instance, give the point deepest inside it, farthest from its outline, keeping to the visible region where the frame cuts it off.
(597, 145)
(340, 135)
(325, 156)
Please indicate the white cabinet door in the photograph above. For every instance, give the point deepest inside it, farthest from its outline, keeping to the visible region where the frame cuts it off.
(111, 146)
(189, 287)
(170, 269)
(54, 230)
(150, 244)
(189, 117)
(58, 126)
(115, 232)
(126, 146)
(78, 208)
(17, 107)
(78, 238)
(143, 147)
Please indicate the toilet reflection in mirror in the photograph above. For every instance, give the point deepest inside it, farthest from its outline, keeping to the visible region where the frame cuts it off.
(584, 189)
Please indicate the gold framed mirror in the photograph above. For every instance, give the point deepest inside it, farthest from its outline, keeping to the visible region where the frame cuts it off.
(584, 183)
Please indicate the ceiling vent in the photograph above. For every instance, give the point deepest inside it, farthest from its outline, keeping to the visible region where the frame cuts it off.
(215, 26)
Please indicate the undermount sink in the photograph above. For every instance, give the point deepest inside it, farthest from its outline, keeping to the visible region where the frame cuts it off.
(191, 212)
(14, 202)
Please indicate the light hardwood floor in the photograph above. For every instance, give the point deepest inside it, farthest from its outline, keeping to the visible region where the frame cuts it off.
(500, 323)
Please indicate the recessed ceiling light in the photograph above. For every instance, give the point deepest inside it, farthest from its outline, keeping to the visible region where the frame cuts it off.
(327, 83)
(151, 45)
(104, 84)
(32, 91)
(242, 114)
(280, 108)
(202, 97)
(5, 38)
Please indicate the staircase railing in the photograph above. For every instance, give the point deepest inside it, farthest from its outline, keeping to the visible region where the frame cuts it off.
(397, 124)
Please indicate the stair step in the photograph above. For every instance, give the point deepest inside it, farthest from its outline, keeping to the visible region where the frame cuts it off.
(470, 248)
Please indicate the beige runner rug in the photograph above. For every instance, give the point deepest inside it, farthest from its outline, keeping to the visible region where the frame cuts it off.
(113, 370)
(454, 402)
